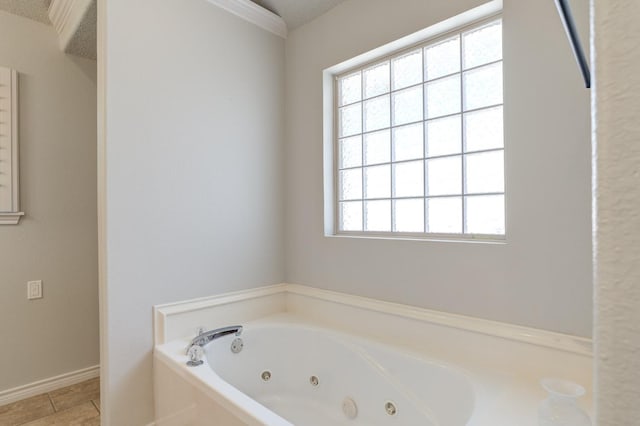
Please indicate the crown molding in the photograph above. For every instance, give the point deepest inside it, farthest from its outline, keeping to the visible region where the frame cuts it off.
(255, 14)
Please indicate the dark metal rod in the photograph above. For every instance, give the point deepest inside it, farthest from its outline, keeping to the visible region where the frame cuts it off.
(574, 39)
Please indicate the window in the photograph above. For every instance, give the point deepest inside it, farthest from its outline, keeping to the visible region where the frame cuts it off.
(419, 147)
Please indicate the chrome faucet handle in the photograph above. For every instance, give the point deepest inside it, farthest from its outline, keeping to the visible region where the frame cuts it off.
(195, 354)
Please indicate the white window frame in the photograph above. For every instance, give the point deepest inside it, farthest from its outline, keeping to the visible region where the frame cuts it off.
(432, 35)
(10, 213)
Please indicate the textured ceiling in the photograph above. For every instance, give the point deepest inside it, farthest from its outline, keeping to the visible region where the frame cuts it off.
(32, 9)
(298, 12)
(82, 42)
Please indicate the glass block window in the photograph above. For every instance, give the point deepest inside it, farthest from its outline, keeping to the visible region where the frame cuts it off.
(419, 139)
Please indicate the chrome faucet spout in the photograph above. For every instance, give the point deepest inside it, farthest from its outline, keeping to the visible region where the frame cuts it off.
(208, 336)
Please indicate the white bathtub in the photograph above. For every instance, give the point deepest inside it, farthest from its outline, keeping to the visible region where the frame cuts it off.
(435, 368)
(371, 379)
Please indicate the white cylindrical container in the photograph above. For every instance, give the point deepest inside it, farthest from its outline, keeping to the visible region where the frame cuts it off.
(561, 408)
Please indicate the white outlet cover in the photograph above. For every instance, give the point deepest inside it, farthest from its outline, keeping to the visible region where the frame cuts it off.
(34, 289)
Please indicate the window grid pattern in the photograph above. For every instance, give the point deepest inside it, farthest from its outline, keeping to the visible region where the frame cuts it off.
(420, 145)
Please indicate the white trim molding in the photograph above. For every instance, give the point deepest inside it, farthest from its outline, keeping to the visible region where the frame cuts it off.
(176, 320)
(47, 385)
(101, 159)
(10, 213)
(257, 15)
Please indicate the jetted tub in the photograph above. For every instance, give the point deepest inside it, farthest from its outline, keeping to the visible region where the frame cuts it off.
(289, 374)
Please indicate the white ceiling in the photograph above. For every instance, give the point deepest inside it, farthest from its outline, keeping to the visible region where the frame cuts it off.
(298, 12)
(32, 9)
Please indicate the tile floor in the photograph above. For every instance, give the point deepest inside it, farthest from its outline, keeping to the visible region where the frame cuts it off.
(75, 405)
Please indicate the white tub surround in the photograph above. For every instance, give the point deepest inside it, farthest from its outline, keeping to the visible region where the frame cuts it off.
(401, 353)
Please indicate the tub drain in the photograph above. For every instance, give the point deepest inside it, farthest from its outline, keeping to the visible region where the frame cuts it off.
(266, 376)
(314, 380)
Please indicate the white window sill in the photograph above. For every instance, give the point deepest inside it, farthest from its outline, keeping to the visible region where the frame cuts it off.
(440, 238)
(10, 218)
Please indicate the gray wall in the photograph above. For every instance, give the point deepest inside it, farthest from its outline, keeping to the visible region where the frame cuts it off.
(57, 240)
(541, 277)
(194, 159)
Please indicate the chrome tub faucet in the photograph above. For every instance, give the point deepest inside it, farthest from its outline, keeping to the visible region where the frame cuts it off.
(195, 349)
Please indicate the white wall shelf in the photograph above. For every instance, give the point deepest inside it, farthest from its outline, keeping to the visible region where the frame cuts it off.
(10, 213)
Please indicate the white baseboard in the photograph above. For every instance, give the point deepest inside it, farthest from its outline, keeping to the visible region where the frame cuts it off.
(47, 385)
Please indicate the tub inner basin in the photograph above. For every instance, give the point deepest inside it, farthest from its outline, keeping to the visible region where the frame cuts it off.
(316, 377)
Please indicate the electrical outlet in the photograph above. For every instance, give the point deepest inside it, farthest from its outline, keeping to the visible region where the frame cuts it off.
(34, 289)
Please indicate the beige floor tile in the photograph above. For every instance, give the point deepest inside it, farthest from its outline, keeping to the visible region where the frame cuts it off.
(75, 394)
(81, 415)
(26, 410)
(92, 422)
